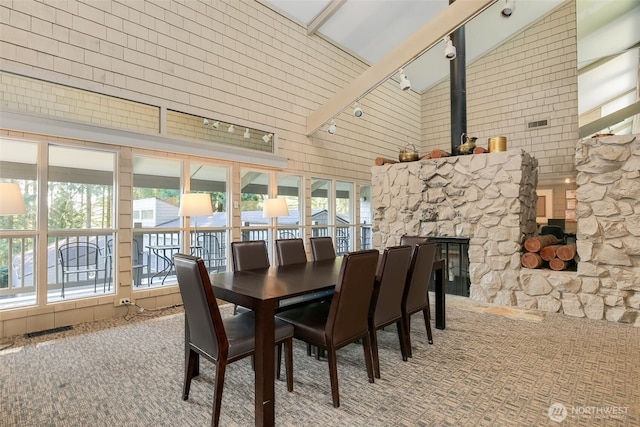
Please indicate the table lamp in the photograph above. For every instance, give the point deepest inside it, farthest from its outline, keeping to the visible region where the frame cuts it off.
(195, 204)
(273, 208)
(11, 201)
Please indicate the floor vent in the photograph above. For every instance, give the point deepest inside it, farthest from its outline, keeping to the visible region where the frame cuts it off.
(48, 331)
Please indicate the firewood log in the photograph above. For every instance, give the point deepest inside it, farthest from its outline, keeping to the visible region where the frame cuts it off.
(534, 244)
(382, 161)
(567, 252)
(557, 264)
(531, 260)
(549, 252)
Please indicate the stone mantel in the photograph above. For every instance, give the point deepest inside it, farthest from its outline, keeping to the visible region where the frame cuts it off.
(491, 199)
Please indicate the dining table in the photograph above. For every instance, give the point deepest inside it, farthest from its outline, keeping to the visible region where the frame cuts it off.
(265, 291)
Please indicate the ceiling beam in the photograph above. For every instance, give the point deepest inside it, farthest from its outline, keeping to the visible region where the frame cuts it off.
(323, 16)
(609, 120)
(453, 17)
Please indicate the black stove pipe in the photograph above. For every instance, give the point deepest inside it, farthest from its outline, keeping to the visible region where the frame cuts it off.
(458, 89)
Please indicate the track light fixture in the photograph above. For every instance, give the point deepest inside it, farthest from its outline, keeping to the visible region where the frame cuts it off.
(357, 111)
(231, 129)
(507, 9)
(215, 125)
(449, 49)
(205, 122)
(267, 137)
(247, 135)
(405, 84)
(332, 128)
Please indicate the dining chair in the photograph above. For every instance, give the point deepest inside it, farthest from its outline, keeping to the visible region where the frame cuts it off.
(80, 258)
(386, 300)
(290, 251)
(344, 320)
(415, 297)
(322, 248)
(248, 255)
(413, 240)
(221, 341)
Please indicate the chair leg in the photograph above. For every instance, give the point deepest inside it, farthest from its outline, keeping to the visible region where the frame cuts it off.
(288, 361)
(217, 392)
(427, 324)
(308, 349)
(374, 350)
(189, 372)
(366, 345)
(403, 349)
(333, 376)
(407, 334)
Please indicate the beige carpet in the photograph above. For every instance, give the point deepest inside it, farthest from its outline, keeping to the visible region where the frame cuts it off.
(491, 367)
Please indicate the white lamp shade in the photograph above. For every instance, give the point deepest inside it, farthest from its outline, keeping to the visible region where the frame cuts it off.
(274, 208)
(11, 201)
(195, 204)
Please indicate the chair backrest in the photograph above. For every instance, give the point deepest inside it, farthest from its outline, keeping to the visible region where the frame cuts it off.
(419, 276)
(413, 240)
(386, 301)
(206, 330)
(348, 314)
(290, 251)
(78, 255)
(322, 248)
(249, 255)
(554, 230)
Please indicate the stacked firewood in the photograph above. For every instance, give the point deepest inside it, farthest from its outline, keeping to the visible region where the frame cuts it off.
(548, 250)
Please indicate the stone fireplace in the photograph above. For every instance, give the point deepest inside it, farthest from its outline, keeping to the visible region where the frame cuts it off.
(490, 199)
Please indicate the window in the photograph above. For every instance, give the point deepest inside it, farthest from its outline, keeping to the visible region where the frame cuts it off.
(366, 217)
(320, 207)
(80, 203)
(289, 189)
(254, 189)
(345, 227)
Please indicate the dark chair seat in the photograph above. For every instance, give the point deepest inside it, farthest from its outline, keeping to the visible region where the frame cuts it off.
(333, 325)
(240, 331)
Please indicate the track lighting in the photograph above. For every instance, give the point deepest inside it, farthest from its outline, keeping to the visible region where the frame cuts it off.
(205, 122)
(267, 137)
(231, 129)
(215, 125)
(332, 128)
(357, 111)
(247, 135)
(405, 84)
(508, 8)
(449, 49)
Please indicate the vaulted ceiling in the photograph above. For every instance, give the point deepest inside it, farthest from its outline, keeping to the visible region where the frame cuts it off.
(607, 31)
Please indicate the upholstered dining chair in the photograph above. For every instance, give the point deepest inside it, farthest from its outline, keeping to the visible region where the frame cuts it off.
(413, 240)
(290, 251)
(332, 326)
(221, 341)
(386, 300)
(248, 255)
(416, 292)
(322, 248)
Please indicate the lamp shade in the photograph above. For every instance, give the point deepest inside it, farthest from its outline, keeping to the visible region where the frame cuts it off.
(11, 201)
(274, 208)
(195, 204)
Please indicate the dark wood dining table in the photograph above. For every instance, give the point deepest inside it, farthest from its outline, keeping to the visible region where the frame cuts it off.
(265, 291)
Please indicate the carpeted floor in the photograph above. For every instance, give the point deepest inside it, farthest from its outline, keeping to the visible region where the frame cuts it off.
(490, 367)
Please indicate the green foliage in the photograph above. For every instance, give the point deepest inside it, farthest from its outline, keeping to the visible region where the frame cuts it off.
(4, 276)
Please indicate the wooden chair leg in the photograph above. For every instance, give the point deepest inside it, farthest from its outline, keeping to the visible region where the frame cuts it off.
(288, 361)
(308, 349)
(191, 361)
(217, 393)
(407, 334)
(427, 324)
(278, 359)
(333, 376)
(403, 350)
(366, 345)
(374, 351)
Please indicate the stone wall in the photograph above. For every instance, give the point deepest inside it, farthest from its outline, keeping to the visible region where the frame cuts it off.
(489, 198)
